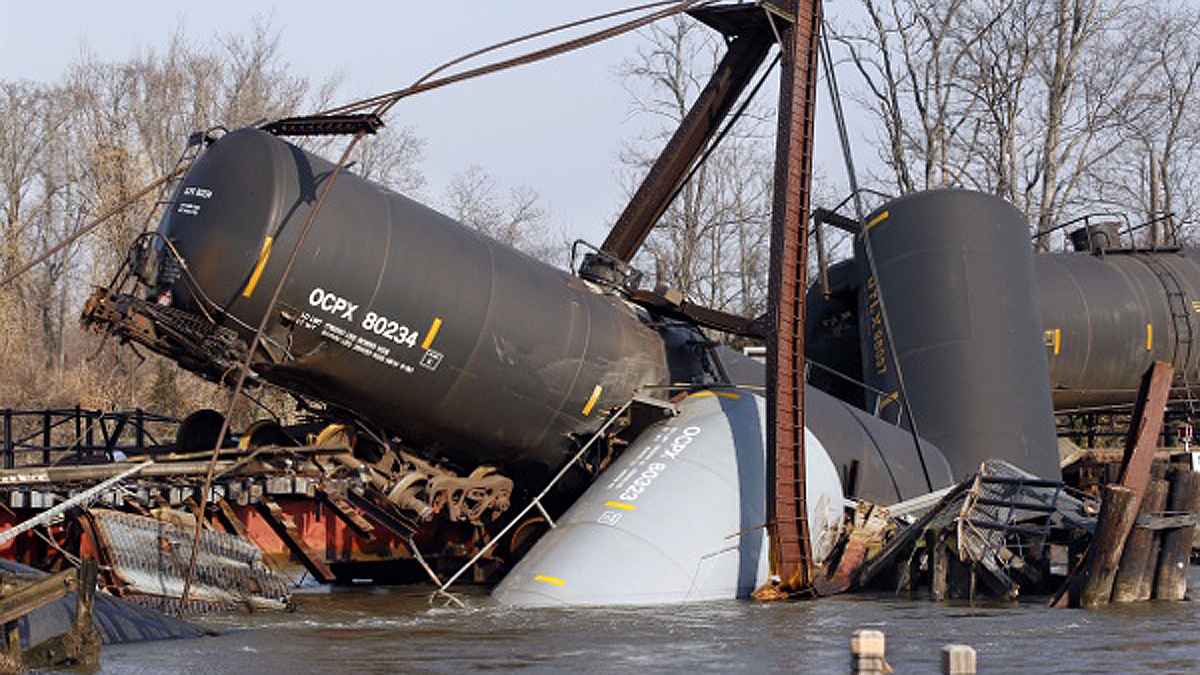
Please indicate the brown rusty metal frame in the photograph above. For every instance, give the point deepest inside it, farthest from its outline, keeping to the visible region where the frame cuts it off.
(286, 529)
(748, 49)
(752, 29)
(798, 23)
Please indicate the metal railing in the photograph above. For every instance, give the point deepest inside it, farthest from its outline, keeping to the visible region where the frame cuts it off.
(78, 435)
(1124, 235)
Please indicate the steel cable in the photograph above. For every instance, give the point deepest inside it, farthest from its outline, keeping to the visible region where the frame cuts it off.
(852, 177)
(244, 369)
(104, 217)
(384, 102)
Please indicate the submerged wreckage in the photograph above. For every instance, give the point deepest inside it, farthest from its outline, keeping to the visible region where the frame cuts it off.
(467, 403)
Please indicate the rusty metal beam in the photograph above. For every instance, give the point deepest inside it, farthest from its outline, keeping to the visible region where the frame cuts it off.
(348, 514)
(681, 308)
(791, 556)
(229, 520)
(285, 528)
(743, 58)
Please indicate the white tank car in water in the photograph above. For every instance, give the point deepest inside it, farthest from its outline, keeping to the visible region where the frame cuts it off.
(679, 517)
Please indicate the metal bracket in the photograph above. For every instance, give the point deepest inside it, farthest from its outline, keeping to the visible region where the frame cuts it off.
(325, 125)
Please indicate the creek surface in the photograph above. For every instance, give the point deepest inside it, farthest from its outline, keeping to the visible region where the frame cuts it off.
(385, 630)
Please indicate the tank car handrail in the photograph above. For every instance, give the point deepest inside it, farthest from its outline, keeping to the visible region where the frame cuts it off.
(536, 502)
(1086, 220)
(851, 380)
(1165, 216)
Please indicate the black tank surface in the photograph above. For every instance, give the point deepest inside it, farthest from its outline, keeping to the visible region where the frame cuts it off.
(956, 273)
(831, 330)
(1107, 318)
(457, 343)
(878, 461)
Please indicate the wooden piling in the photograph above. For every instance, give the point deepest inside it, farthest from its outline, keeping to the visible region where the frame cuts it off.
(1146, 587)
(1118, 511)
(958, 660)
(1144, 428)
(937, 554)
(960, 576)
(868, 653)
(1170, 580)
(1136, 569)
(11, 661)
(79, 647)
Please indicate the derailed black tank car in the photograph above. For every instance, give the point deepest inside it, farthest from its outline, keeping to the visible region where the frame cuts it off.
(450, 339)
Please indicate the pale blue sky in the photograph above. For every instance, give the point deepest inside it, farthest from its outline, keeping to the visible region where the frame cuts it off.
(556, 126)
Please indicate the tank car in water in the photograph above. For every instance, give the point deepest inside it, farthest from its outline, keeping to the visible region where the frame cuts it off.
(443, 343)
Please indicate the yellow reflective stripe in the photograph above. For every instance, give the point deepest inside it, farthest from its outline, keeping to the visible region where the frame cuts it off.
(1149, 337)
(623, 506)
(553, 581)
(889, 399)
(432, 333)
(258, 268)
(1057, 341)
(709, 394)
(878, 219)
(591, 402)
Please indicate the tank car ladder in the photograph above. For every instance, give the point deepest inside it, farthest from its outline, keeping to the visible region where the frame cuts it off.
(1181, 319)
(536, 502)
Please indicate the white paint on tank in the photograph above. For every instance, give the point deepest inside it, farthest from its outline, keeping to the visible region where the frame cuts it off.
(824, 498)
(680, 516)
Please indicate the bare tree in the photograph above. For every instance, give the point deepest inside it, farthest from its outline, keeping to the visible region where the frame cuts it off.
(711, 244)
(1154, 171)
(392, 158)
(515, 217)
(1028, 100)
(72, 149)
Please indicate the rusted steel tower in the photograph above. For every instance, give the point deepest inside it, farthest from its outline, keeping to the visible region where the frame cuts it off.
(797, 22)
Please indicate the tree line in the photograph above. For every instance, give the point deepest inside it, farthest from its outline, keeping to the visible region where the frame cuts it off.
(1062, 107)
(73, 148)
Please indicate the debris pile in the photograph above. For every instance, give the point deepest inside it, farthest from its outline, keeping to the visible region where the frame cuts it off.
(148, 558)
(336, 512)
(990, 535)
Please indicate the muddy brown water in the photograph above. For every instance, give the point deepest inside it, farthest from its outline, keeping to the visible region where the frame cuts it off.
(386, 630)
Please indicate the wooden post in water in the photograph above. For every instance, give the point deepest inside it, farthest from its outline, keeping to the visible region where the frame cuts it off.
(1146, 587)
(84, 640)
(1118, 510)
(85, 593)
(1170, 581)
(1145, 426)
(935, 548)
(1136, 561)
(867, 653)
(12, 661)
(958, 660)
